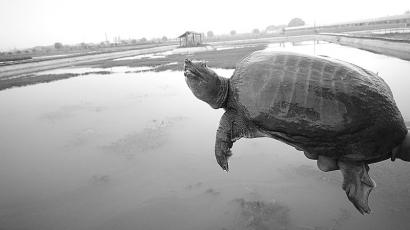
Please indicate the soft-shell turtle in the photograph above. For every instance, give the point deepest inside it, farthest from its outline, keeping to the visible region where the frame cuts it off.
(339, 114)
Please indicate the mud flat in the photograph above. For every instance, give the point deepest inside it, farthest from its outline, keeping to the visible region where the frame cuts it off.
(155, 59)
(225, 54)
(19, 69)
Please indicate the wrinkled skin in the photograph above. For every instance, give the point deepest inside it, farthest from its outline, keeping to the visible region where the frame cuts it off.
(207, 86)
(204, 83)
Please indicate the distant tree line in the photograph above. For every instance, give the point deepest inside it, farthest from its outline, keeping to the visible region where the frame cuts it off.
(118, 42)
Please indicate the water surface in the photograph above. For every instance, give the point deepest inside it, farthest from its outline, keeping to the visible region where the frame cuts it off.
(135, 151)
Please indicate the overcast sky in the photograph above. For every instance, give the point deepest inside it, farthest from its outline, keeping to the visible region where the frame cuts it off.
(27, 23)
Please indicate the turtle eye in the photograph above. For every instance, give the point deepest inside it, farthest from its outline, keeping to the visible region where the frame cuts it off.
(203, 64)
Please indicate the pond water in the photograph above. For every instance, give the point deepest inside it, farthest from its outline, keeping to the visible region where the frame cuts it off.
(135, 151)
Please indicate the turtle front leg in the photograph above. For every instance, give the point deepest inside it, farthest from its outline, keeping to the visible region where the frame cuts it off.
(223, 143)
(232, 127)
(357, 183)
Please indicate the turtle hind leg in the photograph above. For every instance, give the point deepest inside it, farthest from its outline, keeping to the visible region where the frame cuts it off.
(357, 183)
(326, 164)
(231, 128)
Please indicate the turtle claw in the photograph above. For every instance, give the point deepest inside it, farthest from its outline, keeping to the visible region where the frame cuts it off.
(187, 62)
(223, 162)
(222, 159)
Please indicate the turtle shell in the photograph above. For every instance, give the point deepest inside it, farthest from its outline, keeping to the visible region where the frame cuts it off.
(320, 105)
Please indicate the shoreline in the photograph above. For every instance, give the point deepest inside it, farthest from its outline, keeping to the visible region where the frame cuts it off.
(27, 68)
(226, 59)
(398, 48)
(24, 74)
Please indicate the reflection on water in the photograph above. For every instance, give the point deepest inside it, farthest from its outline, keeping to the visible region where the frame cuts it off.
(135, 151)
(189, 50)
(90, 70)
(224, 47)
(141, 56)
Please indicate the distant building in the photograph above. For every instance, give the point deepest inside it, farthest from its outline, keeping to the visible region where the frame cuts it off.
(190, 38)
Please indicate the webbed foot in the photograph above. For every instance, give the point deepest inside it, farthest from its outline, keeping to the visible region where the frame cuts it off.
(357, 184)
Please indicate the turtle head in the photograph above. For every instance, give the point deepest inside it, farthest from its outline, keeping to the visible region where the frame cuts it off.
(205, 84)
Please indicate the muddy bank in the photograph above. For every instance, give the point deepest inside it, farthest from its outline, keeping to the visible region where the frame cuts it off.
(218, 54)
(32, 79)
(154, 61)
(394, 46)
(19, 69)
(217, 58)
(399, 48)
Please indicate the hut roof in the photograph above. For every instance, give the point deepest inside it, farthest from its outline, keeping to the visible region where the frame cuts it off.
(187, 33)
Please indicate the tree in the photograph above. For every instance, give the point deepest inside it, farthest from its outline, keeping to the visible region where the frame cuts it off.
(164, 38)
(58, 45)
(83, 45)
(275, 28)
(296, 22)
(407, 12)
(271, 27)
(233, 32)
(143, 40)
(255, 31)
(210, 34)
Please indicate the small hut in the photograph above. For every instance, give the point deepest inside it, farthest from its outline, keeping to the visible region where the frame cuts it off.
(190, 38)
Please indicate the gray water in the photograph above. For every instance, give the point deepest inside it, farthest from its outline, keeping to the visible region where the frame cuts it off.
(135, 151)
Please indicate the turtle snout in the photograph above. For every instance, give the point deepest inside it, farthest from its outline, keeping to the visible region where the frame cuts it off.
(187, 69)
(187, 62)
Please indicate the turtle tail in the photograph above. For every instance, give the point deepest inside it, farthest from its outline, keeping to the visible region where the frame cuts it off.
(402, 151)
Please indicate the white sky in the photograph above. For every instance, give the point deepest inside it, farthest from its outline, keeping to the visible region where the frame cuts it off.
(27, 23)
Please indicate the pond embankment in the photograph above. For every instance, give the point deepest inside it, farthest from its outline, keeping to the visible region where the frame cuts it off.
(399, 48)
(223, 54)
(25, 68)
(391, 47)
